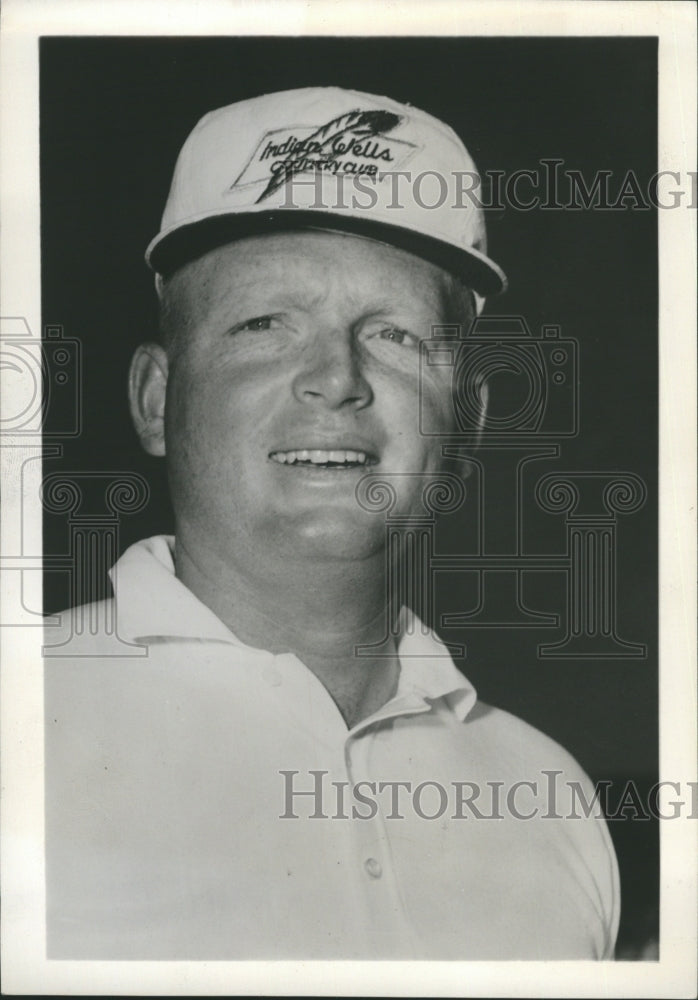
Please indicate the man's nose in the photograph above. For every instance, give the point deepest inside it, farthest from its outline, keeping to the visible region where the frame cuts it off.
(331, 373)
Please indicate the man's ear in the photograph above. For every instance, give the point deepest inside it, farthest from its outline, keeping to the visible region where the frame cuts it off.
(455, 460)
(484, 397)
(147, 385)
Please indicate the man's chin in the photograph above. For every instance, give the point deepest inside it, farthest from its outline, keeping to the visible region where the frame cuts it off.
(331, 534)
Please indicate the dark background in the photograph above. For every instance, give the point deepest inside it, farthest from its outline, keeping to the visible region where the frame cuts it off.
(114, 114)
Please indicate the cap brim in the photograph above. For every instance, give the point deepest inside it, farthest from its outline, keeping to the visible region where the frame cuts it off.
(172, 250)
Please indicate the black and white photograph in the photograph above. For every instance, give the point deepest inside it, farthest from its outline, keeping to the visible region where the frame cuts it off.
(342, 526)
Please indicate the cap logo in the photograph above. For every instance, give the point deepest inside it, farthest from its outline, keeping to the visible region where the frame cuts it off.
(353, 143)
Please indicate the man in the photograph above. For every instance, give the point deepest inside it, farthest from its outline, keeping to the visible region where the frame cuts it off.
(297, 769)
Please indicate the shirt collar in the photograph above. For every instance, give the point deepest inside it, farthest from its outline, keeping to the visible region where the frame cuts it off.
(151, 603)
(426, 667)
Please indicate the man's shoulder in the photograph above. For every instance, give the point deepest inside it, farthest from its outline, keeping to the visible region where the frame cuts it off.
(518, 745)
(63, 629)
(61, 623)
(140, 578)
(85, 632)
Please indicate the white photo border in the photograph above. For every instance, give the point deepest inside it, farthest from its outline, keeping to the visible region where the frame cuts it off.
(25, 968)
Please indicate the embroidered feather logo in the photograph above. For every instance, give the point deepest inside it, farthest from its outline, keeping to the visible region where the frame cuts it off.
(360, 124)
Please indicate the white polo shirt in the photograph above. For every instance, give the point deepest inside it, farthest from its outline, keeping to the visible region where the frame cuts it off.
(207, 801)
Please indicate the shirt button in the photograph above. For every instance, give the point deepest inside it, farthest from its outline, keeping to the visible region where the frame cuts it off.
(272, 677)
(373, 867)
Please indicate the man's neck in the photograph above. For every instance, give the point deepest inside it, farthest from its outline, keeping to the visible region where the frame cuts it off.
(318, 610)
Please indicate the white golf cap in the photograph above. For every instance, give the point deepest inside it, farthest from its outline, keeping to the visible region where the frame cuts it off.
(328, 159)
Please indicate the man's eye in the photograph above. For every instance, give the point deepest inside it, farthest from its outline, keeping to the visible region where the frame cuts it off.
(257, 325)
(396, 335)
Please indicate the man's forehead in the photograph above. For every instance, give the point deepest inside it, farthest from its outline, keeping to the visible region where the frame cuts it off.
(309, 265)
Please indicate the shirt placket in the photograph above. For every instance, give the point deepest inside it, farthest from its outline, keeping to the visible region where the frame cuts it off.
(393, 932)
(349, 757)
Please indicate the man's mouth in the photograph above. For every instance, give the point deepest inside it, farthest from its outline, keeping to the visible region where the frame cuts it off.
(335, 458)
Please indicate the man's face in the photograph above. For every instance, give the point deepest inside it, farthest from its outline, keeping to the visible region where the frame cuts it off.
(295, 372)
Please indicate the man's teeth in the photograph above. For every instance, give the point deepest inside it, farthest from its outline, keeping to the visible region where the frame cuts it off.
(321, 457)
